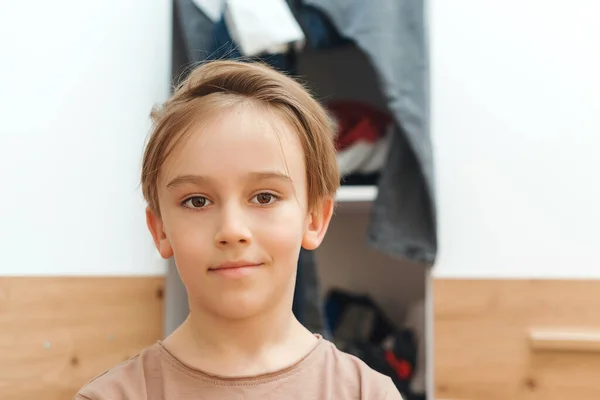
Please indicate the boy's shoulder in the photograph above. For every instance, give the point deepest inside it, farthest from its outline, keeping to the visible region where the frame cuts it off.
(126, 381)
(355, 375)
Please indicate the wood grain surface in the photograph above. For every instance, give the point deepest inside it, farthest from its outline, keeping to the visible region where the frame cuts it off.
(516, 339)
(56, 333)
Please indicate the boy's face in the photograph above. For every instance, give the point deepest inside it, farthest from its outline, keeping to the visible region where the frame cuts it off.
(234, 215)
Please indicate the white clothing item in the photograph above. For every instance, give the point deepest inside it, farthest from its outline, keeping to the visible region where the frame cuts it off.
(262, 26)
(213, 9)
(364, 157)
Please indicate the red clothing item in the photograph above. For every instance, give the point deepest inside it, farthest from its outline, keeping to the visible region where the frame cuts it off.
(358, 122)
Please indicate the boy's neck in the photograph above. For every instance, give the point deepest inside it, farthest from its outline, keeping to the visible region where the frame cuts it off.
(263, 343)
(244, 336)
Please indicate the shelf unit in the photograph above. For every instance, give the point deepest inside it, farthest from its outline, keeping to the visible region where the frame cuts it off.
(354, 194)
(351, 199)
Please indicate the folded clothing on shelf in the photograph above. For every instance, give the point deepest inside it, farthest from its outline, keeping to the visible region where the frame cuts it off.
(363, 137)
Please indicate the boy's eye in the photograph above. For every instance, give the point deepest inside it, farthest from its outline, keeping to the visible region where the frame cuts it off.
(196, 202)
(265, 198)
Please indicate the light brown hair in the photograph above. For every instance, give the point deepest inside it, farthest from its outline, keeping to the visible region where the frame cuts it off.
(218, 84)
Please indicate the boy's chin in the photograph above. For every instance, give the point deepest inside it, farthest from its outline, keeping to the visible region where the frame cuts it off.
(238, 313)
(241, 308)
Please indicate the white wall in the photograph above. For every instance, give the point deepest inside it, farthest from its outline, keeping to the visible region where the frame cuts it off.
(77, 81)
(516, 126)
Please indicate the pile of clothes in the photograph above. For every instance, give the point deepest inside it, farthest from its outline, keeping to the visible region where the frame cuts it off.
(362, 142)
(359, 327)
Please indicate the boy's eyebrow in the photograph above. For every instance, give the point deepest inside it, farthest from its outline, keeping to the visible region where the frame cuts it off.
(198, 179)
(270, 175)
(184, 179)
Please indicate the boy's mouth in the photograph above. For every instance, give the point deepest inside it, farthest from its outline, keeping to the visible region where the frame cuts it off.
(235, 269)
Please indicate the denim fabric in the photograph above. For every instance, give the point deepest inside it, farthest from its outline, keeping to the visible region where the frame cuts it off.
(195, 31)
(308, 304)
(318, 29)
(392, 33)
(299, 303)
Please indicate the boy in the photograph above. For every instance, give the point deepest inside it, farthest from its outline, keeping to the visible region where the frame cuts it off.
(239, 173)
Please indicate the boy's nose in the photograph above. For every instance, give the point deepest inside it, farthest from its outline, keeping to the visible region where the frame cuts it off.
(232, 229)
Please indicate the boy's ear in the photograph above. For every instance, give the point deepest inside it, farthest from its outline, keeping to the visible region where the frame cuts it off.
(317, 223)
(156, 227)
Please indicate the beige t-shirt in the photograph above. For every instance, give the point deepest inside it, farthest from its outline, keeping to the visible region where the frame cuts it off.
(325, 373)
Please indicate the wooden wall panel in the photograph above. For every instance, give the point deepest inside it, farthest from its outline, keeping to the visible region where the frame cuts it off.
(516, 339)
(56, 333)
